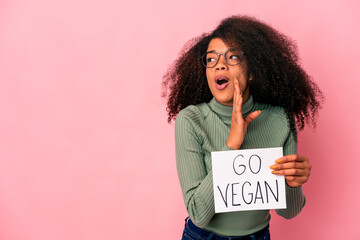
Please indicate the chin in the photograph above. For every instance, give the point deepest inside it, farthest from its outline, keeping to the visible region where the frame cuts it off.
(224, 101)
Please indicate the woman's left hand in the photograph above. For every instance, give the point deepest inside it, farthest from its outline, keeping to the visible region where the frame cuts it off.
(295, 168)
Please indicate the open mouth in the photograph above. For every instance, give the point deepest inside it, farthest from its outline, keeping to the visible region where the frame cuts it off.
(221, 81)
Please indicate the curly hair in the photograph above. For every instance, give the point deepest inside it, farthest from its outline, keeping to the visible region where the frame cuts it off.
(272, 60)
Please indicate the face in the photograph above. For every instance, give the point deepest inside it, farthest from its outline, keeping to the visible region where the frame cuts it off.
(221, 77)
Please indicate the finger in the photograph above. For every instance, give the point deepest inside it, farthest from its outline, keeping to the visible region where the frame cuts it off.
(291, 172)
(296, 178)
(240, 88)
(235, 97)
(291, 158)
(237, 90)
(252, 116)
(239, 105)
(238, 102)
(289, 165)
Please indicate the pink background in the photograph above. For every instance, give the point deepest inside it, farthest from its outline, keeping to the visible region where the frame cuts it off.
(85, 149)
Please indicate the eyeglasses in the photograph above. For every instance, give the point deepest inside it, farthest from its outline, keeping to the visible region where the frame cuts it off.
(231, 56)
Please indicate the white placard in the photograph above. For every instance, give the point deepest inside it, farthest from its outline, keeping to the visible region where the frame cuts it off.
(242, 180)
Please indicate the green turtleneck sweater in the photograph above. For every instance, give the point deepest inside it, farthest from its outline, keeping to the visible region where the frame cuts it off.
(204, 128)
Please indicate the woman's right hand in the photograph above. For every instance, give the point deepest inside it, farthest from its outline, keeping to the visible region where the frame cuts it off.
(238, 123)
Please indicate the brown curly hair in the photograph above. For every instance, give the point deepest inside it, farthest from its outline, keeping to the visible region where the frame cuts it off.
(272, 60)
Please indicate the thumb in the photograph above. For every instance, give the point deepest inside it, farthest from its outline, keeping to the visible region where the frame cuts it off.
(252, 116)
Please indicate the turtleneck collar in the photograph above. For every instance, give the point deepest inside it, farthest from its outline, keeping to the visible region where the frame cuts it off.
(225, 112)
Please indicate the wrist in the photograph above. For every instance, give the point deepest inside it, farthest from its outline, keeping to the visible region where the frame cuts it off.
(233, 145)
(289, 185)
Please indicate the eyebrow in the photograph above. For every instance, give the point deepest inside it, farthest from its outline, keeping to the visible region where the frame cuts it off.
(230, 49)
(212, 51)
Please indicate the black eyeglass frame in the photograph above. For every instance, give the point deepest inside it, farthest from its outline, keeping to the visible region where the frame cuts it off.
(224, 55)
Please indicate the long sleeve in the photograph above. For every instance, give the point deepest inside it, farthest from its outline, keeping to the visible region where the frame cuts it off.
(196, 182)
(204, 128)
(295, 198)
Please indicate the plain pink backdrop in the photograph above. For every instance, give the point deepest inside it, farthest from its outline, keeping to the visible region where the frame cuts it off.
(85, 149)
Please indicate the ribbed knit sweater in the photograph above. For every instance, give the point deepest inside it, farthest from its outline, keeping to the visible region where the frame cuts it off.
(204, 128)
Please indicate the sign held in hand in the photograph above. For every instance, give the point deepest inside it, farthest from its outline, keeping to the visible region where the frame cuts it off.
(242, 180)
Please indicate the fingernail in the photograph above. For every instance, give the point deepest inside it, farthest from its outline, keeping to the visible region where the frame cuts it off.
(273, 166)
(275, 172)
(259, 111)
(280, 160)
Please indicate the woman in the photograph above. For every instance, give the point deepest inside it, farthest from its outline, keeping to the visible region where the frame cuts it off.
(238, 87)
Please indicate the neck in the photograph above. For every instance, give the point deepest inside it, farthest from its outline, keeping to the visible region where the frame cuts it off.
(225, 111)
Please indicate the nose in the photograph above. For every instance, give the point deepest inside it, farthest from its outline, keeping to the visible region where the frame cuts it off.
(221, 65)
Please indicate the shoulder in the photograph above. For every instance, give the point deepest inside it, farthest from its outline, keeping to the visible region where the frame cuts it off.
(193, 113)
(273, 112)
(189, 121)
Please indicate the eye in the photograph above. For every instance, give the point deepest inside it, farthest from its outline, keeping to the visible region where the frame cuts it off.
(234, 57)
(209, 59)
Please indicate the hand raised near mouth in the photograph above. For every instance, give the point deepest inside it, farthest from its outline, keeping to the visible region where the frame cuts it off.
(238, 123)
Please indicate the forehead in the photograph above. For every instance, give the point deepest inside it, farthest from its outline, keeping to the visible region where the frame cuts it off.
(217, 45)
